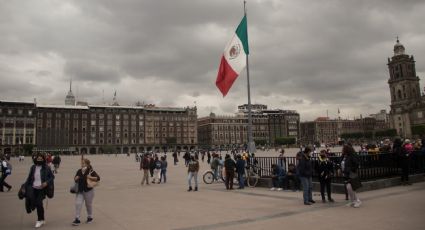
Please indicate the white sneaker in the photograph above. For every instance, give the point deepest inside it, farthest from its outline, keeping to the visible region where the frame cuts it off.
(349, 204)
(279, 189)
(357, 204)
(272, 189)
(40, 223)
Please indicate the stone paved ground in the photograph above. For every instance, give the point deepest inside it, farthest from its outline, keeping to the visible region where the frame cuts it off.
(121, 203)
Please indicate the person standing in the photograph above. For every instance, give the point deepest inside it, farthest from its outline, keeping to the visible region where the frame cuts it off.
(144, 164)
(325, 169)
(193, 169)
(240, 169)
(208, 157)
(282, 159)
(403, 156)
(215, 166)
(305, 171)
(229, 167)
(85, 192)
(350, 165)
(6, 170)
(39, 178)
(164, 166)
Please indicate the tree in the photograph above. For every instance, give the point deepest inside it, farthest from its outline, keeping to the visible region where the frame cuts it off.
(109, 149)
(418, 130)
(28, 149)
(260, 142)
(386, 133)
(285, 140)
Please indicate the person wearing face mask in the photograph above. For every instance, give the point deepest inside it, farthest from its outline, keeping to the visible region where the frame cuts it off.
(39, 178)
(85, 194)
(192, 170)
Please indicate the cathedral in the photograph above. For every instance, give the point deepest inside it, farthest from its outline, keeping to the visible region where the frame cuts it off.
(407, 114)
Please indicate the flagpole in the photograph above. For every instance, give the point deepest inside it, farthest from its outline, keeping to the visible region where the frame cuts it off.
(251, 144)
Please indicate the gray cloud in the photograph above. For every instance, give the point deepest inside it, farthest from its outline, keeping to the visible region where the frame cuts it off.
(305, 55)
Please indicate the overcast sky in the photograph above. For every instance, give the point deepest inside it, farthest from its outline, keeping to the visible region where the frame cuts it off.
(305, 55)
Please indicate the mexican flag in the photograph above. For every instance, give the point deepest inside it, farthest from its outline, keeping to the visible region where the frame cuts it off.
(233, 60)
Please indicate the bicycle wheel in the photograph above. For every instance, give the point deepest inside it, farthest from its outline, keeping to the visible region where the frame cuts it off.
(252, 179)
(208, 177)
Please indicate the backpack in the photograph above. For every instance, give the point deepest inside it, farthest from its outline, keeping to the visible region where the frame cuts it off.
(8, 169)
(158, 165)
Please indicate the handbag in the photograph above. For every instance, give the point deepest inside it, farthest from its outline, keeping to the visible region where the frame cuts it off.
(91, 183)
(74, 188)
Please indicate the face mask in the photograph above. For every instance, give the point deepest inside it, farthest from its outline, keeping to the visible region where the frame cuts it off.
(39, 162)
(84, 168)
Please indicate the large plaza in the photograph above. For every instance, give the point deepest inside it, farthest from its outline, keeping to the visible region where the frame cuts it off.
(122, 203)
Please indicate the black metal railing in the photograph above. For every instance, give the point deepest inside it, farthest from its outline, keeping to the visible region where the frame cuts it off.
(371, 166)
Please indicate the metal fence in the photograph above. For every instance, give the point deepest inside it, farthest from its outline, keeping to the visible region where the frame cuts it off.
(371, 167)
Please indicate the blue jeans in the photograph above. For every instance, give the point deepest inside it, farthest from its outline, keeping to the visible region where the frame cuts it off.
(241, 180)
(163, 175)
(277, 182)
(307, 188)
(195, 176)
(215, 172)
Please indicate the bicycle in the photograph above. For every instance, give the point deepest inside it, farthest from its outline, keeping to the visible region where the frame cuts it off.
(209, 178)
(252, 175)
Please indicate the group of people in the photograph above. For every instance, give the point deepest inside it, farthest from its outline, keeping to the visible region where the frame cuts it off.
(39, 184)
(302, 173)
(155, 166)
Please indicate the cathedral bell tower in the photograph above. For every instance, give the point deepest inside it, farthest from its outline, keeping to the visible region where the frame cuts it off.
(404, 89)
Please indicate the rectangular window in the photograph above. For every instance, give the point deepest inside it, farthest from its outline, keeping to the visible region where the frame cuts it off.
(420, 115)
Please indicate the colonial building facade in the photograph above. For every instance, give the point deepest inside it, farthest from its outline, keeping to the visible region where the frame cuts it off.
(17, 126)
(328, 131)
(232, 131)
(407, 103)
(97, 129)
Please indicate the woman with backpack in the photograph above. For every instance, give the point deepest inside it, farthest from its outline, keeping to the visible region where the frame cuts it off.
(38, 180)
(85, 190)
(6, 170)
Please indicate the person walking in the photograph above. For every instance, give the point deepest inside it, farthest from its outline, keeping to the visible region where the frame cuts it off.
(240, 169)
(325, 169)
(144, 164)
(350, 165)
(176, 159)
(39, 178)
(192, 170)
(229, 167)
(305, 171)
(56, 163)
(6, 170)
(164, 166)
(85, 191)
(156, 171)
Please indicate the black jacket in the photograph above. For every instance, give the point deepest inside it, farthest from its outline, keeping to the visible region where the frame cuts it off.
(229, 164)
(240, 166)
(82, 180)
(305, 168)
(46, 175)
(351, 164)
(325, 169)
